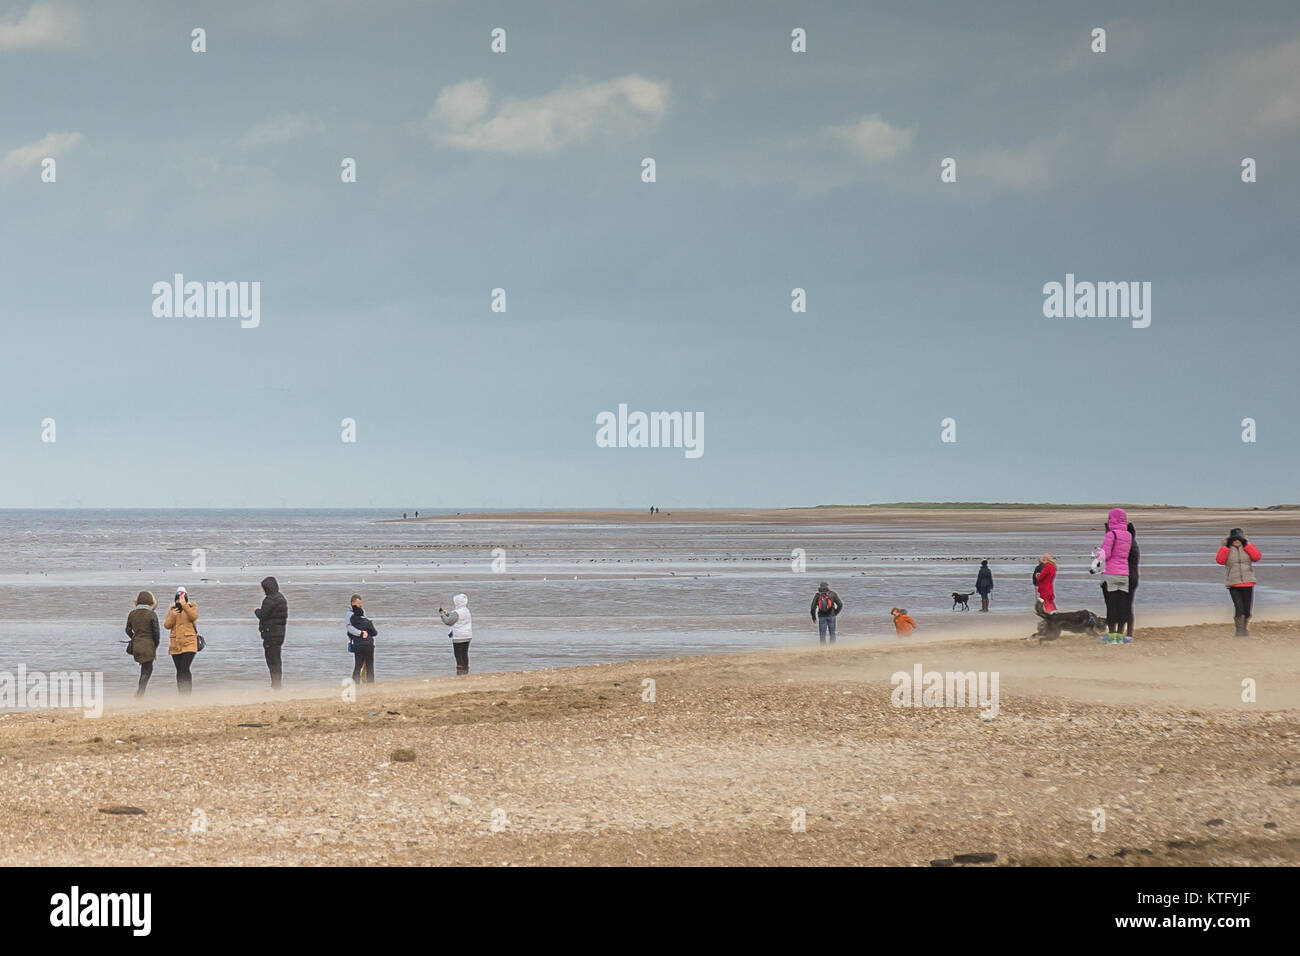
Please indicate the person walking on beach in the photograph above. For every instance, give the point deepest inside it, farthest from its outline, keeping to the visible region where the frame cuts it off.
(984, 585)
(1134, 556)
(183, 641)
(1238, 557)
(1115, 547)
(826, 606)
(143, 635)
(271, 619)
(361, 640)
(1045, 582)
(461, 631)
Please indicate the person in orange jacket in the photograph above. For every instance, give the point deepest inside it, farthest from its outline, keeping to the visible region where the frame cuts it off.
(903, 622)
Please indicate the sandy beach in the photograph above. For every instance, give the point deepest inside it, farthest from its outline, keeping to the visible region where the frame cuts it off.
(573, 766)
(1047, 517)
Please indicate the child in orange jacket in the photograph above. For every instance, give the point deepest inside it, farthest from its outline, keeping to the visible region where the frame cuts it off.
(903, 623)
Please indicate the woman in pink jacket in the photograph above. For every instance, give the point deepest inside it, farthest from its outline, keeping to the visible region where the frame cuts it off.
(1238, 557)
(1114, 576)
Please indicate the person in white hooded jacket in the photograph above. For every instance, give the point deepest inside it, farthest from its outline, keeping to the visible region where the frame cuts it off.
(461, 631)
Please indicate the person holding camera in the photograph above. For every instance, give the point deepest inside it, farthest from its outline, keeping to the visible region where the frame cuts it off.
(184, 640)
(461, 631)
(1238, 557)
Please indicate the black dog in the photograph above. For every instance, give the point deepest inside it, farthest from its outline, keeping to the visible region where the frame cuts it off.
(959, 598)
(1076, 622)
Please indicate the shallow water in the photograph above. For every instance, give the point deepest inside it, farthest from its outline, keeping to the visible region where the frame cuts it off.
(572, 594)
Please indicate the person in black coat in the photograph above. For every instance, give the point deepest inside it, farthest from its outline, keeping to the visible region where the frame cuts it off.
(984, 584)
(271, 619)
(361, 639)
(1134, 555)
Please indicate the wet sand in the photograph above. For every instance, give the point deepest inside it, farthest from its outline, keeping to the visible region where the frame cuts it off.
(572, 766)
(1037, 517)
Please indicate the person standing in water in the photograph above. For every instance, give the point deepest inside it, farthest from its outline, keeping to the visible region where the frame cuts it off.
(1238, 557)
(184, 638)
(461, 633)
(1134, 556)
(826, 606)
(984, 584)
(144, 636)
(1115, 547)
(271, 619)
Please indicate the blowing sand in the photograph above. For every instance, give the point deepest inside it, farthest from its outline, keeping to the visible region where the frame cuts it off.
(571, 766)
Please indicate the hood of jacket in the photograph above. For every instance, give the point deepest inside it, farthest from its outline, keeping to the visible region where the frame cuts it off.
(146, 599)
(1117, 520)
(459, 602)
(270, 586)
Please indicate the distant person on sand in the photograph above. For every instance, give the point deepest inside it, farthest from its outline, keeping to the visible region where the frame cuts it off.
(826, 606)
(903, 623)
(1115, 547)
(143, 635)
(361, 642)
(403, 514)
(1238, 557)
(183, 642)
(461, 631)
(984, 584)
(1045, 582)
(271, 619)
(1134, 556)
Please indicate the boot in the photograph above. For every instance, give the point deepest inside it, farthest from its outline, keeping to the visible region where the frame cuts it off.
(1245, 625)
(984, 604)
(1241, 625)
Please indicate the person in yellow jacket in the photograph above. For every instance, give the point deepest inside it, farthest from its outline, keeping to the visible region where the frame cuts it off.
(184, 644)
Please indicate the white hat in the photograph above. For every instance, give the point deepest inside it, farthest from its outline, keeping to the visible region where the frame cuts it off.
(181, 590)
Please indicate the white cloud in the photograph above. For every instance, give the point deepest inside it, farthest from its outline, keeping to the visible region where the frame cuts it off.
(282, 129)
(44, 26)
(872, 138)
(21, 158)
(462, 116)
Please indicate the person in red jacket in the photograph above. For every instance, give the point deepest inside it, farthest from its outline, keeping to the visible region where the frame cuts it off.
(1045, 582)
(1238, 557)
(903, 622)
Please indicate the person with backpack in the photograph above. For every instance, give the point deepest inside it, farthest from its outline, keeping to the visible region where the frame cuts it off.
(826, 606)
(361, 642)
(1238, 557)
(1115, 547)
(271, 619)
(1134, 556)
(1045, 582)
(183, 642)
(984, 584)
(143, 636)
(461, 631)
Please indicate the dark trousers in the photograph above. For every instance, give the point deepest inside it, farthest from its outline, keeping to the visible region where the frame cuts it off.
(1119, 607)
(461, 650)
(1242, 599)
(146, 671)
(184, 680)
(363, 668)
(272, 651)
(1132, 596)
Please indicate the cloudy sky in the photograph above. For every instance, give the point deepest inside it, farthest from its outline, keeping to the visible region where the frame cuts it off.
(523, 171)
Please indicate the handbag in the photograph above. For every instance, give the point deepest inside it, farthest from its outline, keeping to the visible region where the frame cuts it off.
(202, 642)
(130, 647)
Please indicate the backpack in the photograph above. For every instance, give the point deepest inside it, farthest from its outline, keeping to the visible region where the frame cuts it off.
(824, 602)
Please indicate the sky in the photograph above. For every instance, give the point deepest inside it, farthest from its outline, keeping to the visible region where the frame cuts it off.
(522, 170)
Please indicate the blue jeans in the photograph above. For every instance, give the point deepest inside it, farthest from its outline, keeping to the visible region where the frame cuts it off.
(826, 625)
